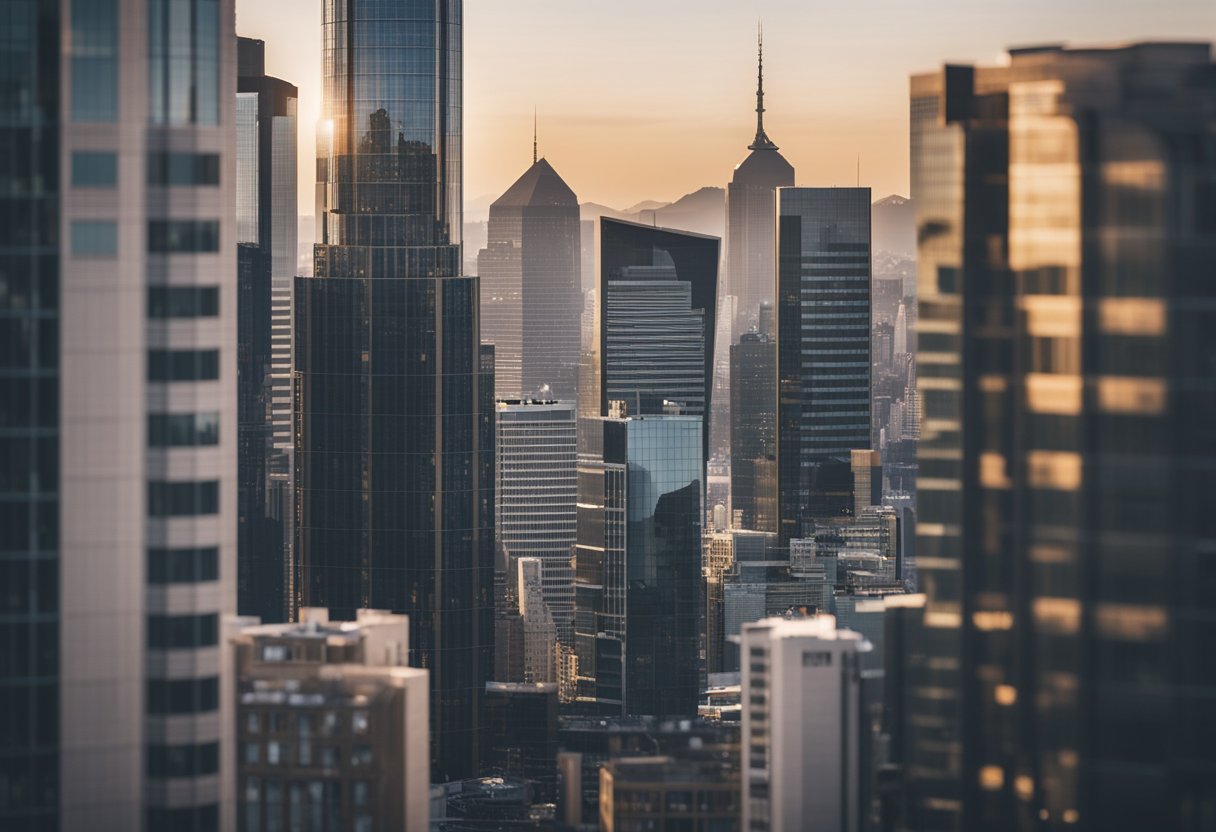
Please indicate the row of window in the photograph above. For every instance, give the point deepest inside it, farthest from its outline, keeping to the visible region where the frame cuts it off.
(183, 632)
(99, 169)
(183, 696)
(183, 430)
(166, 761)
(183, 301)
(183, 499)
(183, 365)
(183, 566)
(99, 238)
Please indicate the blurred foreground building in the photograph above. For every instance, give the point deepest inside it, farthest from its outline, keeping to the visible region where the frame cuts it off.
(1067, 227)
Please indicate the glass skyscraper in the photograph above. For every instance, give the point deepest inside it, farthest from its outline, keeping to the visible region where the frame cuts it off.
(638, 602)
(118, 417)
(655, 319)
(1067, 224)
(753, 432)
(266, 261)
(823, 351)
(394, 397)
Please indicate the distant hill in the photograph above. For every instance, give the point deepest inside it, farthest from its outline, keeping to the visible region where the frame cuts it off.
(894, 225)
(703, 212)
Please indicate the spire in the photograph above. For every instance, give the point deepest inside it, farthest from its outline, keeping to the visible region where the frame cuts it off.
(534, 135)
(761, 141)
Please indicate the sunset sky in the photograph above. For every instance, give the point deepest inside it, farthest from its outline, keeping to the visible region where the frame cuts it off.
(651, 99)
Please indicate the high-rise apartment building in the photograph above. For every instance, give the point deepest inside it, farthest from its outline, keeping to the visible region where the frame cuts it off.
(531, 296)
(802, 725)
(118, 415)
(753, 432)
(823, 350)
(535, 495)
(638, 566)
(266, 263)
(331, 725)
(394, 399)
(1067, 235)
(655, 320)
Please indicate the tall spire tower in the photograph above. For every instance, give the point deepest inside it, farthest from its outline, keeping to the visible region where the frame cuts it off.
(762, 141)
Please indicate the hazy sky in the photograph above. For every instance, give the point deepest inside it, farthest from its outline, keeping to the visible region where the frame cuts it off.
(651, 99)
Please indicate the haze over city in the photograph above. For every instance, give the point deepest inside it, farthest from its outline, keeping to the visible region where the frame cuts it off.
(632, 110)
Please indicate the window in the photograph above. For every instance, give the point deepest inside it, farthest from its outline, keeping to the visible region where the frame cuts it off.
(274, 653)
(183, 566)
(183, 236)
(361, 755)
(183, 499)
(183, 696)
(253, 722)
(94, 169)
(186, 819)
(178, 632)
(183, 430)
(183, 52)
(93, 47)
(274, 752)
(358, 722)
(253, 753)
(183, 169)
(94, 238)
(183, 301)
(183, 760)
(183, 365)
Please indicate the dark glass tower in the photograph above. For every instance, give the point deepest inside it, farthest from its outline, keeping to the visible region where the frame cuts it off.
(823, 351)
(266, 260)
(1067, 230)
(656, 313)
(394, 446)
(753, 432)
(531, 300)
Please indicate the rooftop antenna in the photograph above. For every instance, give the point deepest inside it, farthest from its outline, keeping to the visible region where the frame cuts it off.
(761, 140)
(534, 134)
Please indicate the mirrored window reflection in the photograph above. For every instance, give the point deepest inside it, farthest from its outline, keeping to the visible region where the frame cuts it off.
(183, 47)
(93, 48)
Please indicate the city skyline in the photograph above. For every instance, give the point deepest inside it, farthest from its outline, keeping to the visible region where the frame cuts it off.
(675, 110)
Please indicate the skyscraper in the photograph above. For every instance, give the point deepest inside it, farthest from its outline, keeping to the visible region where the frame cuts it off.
(535, 494)
(638, 565)
(656, 319)
(117, 414)
(266, 263)
(1066, 338)
(750, 219)
(823, 350)
(753, 432)
(531, 298)
(394, 413)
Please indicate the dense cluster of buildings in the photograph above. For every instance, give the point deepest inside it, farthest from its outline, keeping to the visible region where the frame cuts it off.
(392, 546)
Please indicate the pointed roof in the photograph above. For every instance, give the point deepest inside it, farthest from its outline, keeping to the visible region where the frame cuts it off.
(764, 165)
(540, 185)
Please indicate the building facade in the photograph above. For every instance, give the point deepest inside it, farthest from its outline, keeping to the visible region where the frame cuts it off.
(753, 432)
(394, 398)
(119, 426)
(802, 726)
(535, 495)
(266, 264)
(531, 293)
(823, 350)
(521, 735)
(331, 725)
(1065, 336)
(638, 603)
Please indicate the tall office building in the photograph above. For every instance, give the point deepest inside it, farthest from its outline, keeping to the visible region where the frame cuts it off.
(331, 725)
(266, 263)
(394, 399)
(802, 725)
(655, 320)
(751, 267)
(753, 432)
(535, 495)
(117, 415)
(823, 350)
(1065, 538)
(531, 297)
(637, 616)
